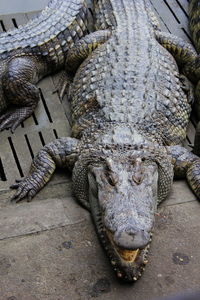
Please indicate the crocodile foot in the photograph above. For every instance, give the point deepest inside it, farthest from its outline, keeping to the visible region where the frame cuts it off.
(25, 188)
(13, 117)
(63, 84)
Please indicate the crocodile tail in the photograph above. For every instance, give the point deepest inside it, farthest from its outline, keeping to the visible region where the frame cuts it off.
(57, 15)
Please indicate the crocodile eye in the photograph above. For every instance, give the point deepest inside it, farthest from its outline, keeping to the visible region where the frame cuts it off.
(112, 178)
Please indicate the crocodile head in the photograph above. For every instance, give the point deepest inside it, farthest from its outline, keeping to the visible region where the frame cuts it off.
(123, 191)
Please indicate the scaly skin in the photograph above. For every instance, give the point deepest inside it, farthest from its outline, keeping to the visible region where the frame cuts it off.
(194, 25)
(130, 111)
(33, 51)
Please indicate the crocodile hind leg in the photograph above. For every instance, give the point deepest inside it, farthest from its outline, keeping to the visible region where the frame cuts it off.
(189, 90)
(183, 52)
(186, 164)
(85, 46)
(78, 53)
(186, 58)
(62, 153)
(19, 89)
(63, 84)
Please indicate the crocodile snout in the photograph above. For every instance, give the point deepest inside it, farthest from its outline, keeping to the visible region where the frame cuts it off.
(132, 240)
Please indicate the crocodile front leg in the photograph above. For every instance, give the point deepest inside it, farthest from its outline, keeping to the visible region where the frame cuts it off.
(20, 91)
(62, 153)
(186, 164)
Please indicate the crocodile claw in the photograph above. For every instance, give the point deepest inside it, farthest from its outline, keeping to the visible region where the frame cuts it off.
(63, 84)
(12, 118)
(25, 188)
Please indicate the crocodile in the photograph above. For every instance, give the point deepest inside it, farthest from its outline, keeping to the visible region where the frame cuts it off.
(194, 23)
(130, 110)
(33, 51)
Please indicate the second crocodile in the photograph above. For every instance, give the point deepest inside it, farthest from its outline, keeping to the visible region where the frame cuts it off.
(33, 51)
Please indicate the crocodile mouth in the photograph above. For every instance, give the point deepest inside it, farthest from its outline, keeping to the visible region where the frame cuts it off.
(128, 264)
(128, 256)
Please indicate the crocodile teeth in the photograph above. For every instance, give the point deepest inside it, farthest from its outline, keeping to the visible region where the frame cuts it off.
(119, 275)
(128, 255)
(135, 278)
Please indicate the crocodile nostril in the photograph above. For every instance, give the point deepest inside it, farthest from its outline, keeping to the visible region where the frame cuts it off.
(132, 241)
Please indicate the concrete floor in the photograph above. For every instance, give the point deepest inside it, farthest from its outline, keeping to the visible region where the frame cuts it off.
(49, 250)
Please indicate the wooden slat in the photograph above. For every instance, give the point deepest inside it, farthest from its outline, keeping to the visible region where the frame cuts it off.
(179, 13)
(21, 19)
(32, 15)
(63, 129)
(23, 153)
(7, 21)
(170, 19)
(48, 135)
(184, 4)
(1, 29)
(54, 104)
(162, 24)
(9, 164)
(35, 141)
